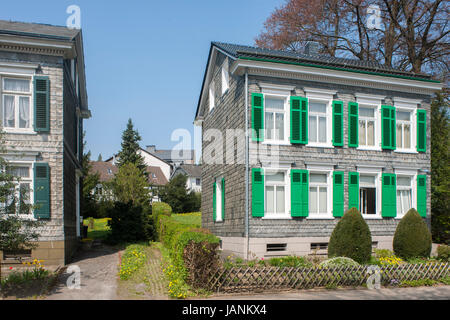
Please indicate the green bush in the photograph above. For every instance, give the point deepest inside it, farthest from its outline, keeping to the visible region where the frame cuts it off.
(339, 262)
(290, 261)
(412, 238)
(383, 253)
(351, 238)
(443, 252)
(158, 209)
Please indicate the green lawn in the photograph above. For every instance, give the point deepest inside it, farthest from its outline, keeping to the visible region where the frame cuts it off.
(194, 218)
(100, 230)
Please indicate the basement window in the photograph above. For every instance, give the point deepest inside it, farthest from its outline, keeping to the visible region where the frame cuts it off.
(319, 246)
(14, 255)
(272, 247)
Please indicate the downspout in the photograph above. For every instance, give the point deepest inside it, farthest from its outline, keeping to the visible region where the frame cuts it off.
(246, 248)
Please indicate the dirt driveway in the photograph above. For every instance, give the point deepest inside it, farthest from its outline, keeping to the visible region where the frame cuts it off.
(98, 267)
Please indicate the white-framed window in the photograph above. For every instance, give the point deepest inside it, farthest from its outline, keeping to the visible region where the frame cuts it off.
(23, 181)
(16, 100)
(404, 194)
(319, 117)
(225, 77)
(404, 129)
(212, 95)
(219, 199)
(276, 193)
(367, 126)
(320, 191)
(276, 118)
(368, 195)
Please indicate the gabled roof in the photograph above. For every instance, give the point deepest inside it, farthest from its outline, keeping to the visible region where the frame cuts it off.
(192, 170)
(38, 30)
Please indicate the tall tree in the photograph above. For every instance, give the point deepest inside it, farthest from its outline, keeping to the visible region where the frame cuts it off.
(130, 149)
(129, 185)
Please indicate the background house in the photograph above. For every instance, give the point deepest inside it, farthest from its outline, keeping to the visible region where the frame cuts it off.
(174, 157)
(43, 104)
(194, 176)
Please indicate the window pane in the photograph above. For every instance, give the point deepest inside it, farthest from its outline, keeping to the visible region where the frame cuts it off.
(366, 112)
(323, 200)
(403, 115)
(274, 103)
(370, 133)
(268, 122)
(24, 198)
(24, 112)
(22, 172)
(312, 129)
(367, 180)
(9, 112)
(313, 200)
(322, 129)
(403, 181)
(270, 203)
(399, 201)
(17, 85)
(317, 107)
(407, 136)
(279, 126)
(280, 199)
(362, 132)
(317, 178)
(406, 200)
(275, 176)
(399, 136)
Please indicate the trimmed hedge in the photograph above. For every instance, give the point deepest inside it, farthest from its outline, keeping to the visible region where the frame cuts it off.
(412, 238)
(351, 238)
(158, 209)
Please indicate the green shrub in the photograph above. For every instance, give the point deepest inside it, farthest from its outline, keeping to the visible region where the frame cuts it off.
(290, 261)
(339, 262)
(158, 209)
(351, 238)
(383, 253)
(412, 238)
(443, 252)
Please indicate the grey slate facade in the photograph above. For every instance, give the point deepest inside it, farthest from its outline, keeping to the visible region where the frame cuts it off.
(56, 54)
(273, 73)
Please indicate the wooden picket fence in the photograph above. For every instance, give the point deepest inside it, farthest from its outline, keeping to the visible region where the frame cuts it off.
(257, 278)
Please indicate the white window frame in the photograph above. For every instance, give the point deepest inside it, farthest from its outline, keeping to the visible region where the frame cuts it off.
(412, 187)
(287, 194)
(377, 173)
(413, 128)
(321, 96)
(377, 127)
(225, 77)
(328, 170)
(219, 199)
(408, 105)
(212, 96)
(17, 95)
(286, 124)
(30, 180)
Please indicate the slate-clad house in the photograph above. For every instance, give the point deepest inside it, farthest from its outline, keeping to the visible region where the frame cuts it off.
(42, 107)
(324, 135)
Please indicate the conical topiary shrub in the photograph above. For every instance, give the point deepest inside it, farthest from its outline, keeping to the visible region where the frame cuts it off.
(351, 238)
(412, 238)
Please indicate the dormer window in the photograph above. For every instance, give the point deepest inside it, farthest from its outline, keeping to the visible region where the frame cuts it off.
(211, 96)
(225, 77)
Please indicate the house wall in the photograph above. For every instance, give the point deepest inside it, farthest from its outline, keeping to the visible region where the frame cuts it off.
(298, 233)
(155, 162)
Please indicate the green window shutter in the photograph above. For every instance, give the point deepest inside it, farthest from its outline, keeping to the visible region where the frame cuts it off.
(388, 195)
(214, 200)
(295, 119)
(303, 120)
(41, 191)
(338, 123)
(388, 128)
(41, 104)
(422, 195)
(299, 193)
(257, 117)
(353, 125)
(421, 130)
(223, 199)
(338, 193)
(353, 190)
(257, 192)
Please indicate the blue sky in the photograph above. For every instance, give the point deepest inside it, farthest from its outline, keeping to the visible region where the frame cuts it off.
(145, 59)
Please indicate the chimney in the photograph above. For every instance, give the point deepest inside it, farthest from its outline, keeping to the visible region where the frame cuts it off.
(151, 148)
(312, 48)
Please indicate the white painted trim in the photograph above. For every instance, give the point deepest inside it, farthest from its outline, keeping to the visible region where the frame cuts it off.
(275, 88)
(406, 103)
(325, 94)
(367, 99)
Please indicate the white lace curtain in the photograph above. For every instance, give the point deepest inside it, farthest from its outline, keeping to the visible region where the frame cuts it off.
(16, 106)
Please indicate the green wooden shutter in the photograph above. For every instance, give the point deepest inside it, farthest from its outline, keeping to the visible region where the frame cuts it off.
(41, 104)
(338, 193)
(388, 195)
(304, 194)
(41, 190)
(353, 190)
(303, 120)
(295, 119)
(214, 200)
(422, 195)
(338, 123)
(421, 130)
(353, 126)
(223, 199)
(257, 192)
(388, 128)
(257, 117)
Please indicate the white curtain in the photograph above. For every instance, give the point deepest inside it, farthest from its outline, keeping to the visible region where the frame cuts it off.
(312, 129)
(269, 125)
(8, 110)
(279, 126)
(24, 112)
(313, 200)
(370, 133)
(280, 199)
(323, 200)
(16, 85)
(270, 199)
(322, 129)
